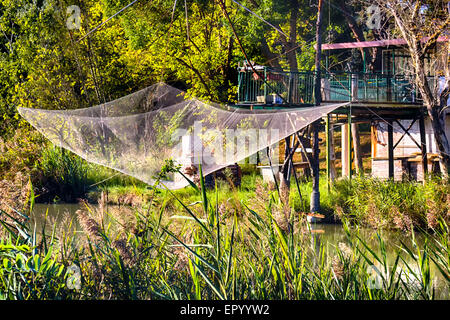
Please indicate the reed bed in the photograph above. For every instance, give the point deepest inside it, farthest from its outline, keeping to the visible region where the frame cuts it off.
(205, 251)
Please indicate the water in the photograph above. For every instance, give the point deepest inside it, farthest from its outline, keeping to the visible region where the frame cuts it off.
(329, 235)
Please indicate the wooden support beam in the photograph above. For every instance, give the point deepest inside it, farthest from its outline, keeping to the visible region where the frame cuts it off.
(345, 150)
(406, 131)
(391, 148)
(287, 168)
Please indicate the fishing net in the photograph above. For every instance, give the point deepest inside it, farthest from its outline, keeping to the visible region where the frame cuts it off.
(137, 134)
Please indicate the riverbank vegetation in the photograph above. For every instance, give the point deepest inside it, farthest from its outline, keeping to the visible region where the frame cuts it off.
(200, 253)
(134, 241)
(60, 176)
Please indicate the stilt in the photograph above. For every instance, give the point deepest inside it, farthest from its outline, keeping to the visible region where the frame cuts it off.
(315, 194)
(391, 149)
(345, 149)
(331, 169)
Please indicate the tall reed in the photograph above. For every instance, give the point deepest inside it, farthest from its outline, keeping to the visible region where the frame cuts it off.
(198, 253)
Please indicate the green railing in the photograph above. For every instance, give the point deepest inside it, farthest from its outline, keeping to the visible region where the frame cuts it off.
(369, 87)
(270, 86)
(273, 87)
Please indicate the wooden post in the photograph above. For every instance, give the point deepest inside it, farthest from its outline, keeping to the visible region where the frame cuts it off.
(345, 149)
(423, 144)
(265, 83)
(391, 149)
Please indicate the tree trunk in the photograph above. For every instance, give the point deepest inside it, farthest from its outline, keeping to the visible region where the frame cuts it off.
(375, 53)
(437, 123)
(417, 51)
(436, 114)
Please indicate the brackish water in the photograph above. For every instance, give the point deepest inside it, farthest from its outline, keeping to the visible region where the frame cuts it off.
(330, 235)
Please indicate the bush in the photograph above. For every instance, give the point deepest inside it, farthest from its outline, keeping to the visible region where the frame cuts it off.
(389, 204)
(63, 176)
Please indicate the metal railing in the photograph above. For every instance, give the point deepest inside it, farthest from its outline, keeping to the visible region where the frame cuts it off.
(296, 88)
(272, 86)
(368, 87)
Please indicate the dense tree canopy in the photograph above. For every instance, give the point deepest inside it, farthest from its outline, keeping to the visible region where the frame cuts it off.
(189, 44)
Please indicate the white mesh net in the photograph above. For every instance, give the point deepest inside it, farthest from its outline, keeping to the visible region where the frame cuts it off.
(137, 133)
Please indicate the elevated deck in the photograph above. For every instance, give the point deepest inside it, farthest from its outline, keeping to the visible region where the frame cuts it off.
(274, 89)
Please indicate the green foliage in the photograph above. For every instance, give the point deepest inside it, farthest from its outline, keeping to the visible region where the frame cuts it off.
(43, 65)
(20, 153)
(28, 271)
(389, 204)
(64, 174)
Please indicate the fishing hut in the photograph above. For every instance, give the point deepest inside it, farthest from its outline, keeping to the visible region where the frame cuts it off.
(386, 98)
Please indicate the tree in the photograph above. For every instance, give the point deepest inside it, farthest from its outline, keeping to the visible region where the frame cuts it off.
(421, 24)
(286, 41)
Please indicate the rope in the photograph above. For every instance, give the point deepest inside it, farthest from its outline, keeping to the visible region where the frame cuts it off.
(187, 21)
(115, 175)
(101, 24)
(163, 70)
(260, 18)
(224, 10)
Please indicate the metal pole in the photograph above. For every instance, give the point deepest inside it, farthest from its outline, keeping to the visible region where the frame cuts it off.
(265, 83)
